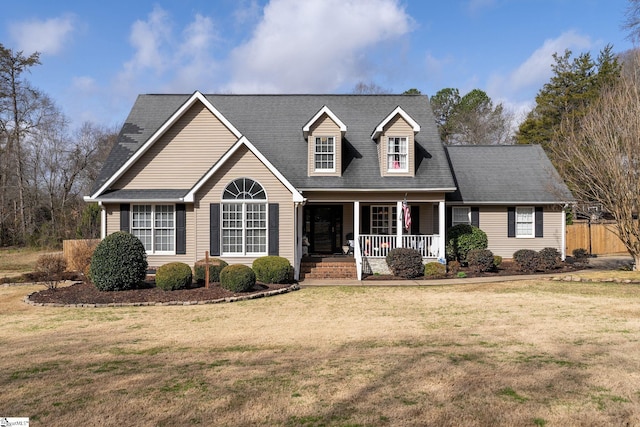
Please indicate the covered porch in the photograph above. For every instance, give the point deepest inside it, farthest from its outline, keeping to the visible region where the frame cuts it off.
(368, 229)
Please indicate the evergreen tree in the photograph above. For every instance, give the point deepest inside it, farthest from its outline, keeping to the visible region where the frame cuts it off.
(575, 84)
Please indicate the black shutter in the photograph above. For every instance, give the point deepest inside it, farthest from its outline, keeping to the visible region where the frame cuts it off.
(539, 222)
(214, 229)
(511, 221)
(274, 228)
(365, 219)
(449, 217)
(475, 216)
(415, 219)
(181, 229)
(125, 209)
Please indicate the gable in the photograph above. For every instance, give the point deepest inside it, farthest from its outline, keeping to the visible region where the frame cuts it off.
(182, 154)
(324, 126)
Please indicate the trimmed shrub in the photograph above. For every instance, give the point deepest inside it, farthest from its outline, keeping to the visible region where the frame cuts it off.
(548, 259)
(215, 267)
(272, 269)
(580, 256)
(434, 269)
(453, 267)
(119, 262)
(173, 276)
(480, 260)
(237, 278)
(497, 260)
(461, 239)
(526, 259)
(405, 262)
(51, 267)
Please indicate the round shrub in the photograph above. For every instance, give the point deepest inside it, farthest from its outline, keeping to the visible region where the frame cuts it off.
(480, 260)
(580, 256)
(526, 259)
(237, 278)
(434, 269)
(405, 262)
(461, 239)
(215, 267)
(173, 276)
(272, 269)
(497, 260)
(453, 267)
(119, 262)
(548, 258)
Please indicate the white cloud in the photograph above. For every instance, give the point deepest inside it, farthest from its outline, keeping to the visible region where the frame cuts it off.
(48, 37)
(315, 45)
(164, 62)
(535, 71)
(84, 84)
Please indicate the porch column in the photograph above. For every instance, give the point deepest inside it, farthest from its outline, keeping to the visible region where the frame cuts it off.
(399, 224)
(441, 229)
(356, 223)
(563, 253)
(103, 220)
(298, 219)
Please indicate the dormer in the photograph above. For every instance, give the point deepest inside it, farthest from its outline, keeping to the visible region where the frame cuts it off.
(324, 133)
(395, 136)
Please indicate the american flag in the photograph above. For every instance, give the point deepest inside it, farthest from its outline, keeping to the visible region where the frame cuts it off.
(406, 210)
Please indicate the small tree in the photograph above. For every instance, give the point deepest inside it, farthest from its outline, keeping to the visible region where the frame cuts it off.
(51, 267)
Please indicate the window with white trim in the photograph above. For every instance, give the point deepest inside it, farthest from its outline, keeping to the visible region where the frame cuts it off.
(244, 218)
(325, 154)
(155, 226)
(460, 215)
(525, 222)
(383, 219)
(397, 154)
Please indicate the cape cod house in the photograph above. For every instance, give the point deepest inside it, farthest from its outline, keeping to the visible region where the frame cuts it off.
(243, 176)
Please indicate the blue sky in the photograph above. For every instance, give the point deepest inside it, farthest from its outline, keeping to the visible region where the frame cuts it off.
(97, 56)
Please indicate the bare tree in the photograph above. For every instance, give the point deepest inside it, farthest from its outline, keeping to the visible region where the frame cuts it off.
(370, 88)
(599, 157)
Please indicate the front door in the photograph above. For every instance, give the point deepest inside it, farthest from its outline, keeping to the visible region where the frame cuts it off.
(323, 226)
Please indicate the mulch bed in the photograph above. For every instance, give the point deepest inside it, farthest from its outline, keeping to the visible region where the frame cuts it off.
(87, 293)
(506, 268)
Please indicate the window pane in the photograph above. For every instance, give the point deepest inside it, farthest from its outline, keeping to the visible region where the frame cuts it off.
(397, 154)
(324, 156)
(524, 221)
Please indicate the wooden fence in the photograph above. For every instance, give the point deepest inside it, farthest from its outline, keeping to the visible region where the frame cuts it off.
(69, 245)
(599, 238)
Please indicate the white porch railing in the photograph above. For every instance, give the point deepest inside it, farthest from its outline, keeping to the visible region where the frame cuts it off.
(379, 245)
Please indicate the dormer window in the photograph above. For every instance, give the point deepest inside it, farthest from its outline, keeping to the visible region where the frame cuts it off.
(325, 154)
(397, 154)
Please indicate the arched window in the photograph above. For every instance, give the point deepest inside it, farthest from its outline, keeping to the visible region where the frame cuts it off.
(244, 218)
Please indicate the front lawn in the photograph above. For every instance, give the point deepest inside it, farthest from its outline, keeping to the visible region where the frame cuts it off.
(518, 353)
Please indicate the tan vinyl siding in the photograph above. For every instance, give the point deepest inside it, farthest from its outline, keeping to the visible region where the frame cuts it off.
(182, 155)
(113, 218)
(397, 127)
(493, 221)
(113, 225)
(244, 163)
(324, 126)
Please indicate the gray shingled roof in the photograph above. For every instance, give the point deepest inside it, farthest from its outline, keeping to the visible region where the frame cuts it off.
(505, 174)
(273, 123)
